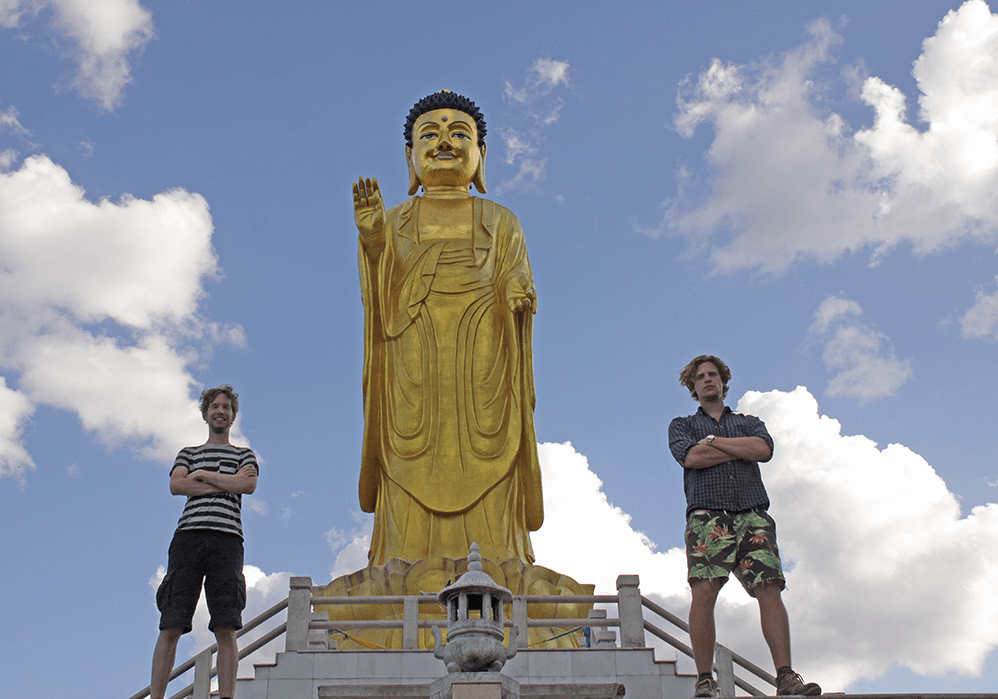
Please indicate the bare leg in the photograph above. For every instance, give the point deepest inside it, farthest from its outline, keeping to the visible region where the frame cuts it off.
(702, 634)
(228, 661)
(775, 623)
(162, 661)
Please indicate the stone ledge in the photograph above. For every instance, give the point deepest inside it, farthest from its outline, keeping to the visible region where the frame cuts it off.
(475, 685)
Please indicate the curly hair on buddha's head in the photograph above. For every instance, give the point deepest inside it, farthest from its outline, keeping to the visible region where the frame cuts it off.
(687, 376)
(445, 99)
(209, 394)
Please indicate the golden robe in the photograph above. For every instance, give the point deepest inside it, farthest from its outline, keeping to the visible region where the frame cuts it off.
(449, 452)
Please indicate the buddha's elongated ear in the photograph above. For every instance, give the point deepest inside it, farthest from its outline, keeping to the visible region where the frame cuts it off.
(414, 183)
(479, 179)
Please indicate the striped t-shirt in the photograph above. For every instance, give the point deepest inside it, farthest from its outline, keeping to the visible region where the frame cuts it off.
(218, 511)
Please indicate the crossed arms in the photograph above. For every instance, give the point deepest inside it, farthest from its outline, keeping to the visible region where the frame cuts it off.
(202, 482)
(724, 449)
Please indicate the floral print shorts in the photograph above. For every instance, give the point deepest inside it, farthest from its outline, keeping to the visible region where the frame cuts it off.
(719, 543)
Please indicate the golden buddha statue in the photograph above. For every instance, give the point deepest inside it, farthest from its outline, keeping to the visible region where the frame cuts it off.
(449, 452)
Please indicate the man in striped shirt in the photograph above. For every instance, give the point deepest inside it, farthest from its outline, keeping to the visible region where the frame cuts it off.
(207, 546)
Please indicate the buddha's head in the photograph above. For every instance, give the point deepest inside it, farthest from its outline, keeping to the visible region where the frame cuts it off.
(445, 142)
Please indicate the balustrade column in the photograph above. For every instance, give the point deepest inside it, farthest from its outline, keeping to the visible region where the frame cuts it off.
(725, 670)
(632, 624)
(299, 613)
(520, 621)
(410, 623)
(202, 675)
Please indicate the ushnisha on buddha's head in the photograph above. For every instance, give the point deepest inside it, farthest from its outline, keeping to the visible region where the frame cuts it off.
(445, 143)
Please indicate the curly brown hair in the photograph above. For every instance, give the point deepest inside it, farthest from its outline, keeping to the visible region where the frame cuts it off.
(687, 376)
(208, 395)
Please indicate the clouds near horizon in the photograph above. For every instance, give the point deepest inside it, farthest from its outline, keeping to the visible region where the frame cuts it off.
(791, 181)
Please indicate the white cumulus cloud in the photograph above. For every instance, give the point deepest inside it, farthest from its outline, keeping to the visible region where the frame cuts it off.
(587, 537)
(352, 547)
(831, 309)
(101, 298)
(102, 37)
(867, 368)
(93, 259)
(981, 320)
(15, 409)
(790, 180)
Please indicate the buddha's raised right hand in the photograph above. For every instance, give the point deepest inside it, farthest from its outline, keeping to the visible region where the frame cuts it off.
(369, 214)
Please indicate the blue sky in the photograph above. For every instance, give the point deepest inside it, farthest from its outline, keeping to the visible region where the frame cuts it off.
(806, 190)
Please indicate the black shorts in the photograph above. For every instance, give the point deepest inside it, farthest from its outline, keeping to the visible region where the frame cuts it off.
(203, 556)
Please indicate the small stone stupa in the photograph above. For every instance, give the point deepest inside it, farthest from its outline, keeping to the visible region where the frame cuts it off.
(474, 622)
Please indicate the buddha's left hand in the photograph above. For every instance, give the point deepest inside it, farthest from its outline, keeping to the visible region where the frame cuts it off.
(521, 295)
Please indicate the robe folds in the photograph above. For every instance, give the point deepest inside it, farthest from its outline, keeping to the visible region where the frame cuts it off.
(449, 452)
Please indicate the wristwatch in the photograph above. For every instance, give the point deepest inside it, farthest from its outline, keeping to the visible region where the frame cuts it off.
(710, 439)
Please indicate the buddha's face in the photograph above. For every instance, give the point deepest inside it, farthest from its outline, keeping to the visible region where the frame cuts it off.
(445, 148)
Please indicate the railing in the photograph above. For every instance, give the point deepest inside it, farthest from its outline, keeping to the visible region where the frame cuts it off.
(306, 630)
(724, 658)
(202, 662)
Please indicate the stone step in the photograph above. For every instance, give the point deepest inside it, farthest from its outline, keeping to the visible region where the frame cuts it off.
(294, 675)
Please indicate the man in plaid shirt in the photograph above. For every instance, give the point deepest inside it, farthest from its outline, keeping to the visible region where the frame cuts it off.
(728, 528)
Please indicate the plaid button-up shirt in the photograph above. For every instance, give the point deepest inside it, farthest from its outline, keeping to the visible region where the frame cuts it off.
(734, 485)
